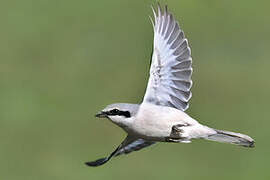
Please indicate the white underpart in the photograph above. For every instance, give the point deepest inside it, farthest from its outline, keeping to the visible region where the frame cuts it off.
(155, 123)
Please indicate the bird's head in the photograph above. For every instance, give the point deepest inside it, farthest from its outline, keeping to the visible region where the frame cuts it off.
(121, 113)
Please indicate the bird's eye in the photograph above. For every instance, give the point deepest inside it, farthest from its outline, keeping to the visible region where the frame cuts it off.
(114, 111)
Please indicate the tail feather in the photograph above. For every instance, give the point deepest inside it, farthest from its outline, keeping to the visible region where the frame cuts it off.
(231, 137)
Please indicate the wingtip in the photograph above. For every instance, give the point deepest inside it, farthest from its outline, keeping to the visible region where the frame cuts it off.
(96, 163)
(159, 9)
(89, 164)
(166, 9)
(152, 22)
(154, 11)
(251, 144)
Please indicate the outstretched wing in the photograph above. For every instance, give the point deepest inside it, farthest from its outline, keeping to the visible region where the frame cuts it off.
(128, 145)
(170, 73)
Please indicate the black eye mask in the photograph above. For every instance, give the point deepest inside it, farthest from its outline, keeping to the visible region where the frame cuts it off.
(116, 112)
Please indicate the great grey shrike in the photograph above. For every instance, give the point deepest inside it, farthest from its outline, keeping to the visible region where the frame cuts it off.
(161, 117)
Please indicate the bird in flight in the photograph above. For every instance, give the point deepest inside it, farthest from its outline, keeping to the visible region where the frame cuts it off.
(161, 117)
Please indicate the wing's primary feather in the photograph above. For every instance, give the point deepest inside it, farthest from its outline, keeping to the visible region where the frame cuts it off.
(130, 144)
(170, 73)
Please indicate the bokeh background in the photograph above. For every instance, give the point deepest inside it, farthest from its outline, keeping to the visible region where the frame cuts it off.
(61, 61)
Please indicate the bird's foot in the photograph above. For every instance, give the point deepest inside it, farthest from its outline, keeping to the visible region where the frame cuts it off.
(177, 140)
(178, 134)
(178, 131)
(174, 140)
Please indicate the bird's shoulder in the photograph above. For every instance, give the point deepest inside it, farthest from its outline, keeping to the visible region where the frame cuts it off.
(152, 111)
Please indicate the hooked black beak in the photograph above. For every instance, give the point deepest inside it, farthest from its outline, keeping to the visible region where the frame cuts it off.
(101, 115)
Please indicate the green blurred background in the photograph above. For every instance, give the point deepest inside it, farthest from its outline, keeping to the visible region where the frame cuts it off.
(61, 61)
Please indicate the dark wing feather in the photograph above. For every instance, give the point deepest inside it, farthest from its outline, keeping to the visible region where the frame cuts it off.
(129, 145)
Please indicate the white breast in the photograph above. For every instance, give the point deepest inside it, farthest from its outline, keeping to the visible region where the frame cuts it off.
(155, 122)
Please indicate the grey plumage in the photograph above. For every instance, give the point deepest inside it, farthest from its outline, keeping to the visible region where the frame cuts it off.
(172, 61)
(231, 137)
(161, 117)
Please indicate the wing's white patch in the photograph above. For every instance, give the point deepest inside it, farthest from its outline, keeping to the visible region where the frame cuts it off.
(170, 73)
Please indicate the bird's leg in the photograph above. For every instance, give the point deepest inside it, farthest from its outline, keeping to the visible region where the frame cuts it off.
(177, 129)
